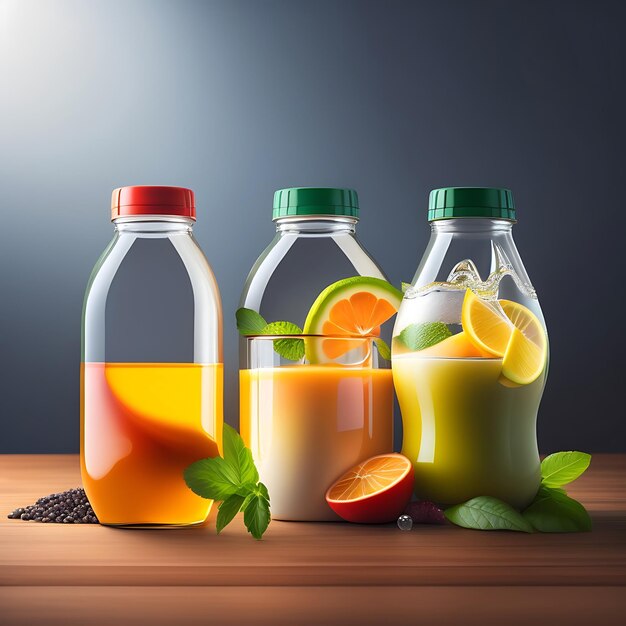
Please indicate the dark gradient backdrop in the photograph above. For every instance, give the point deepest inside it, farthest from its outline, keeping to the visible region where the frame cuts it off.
(237, 98)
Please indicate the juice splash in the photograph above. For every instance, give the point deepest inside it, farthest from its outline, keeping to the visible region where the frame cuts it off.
(143, 424)
(308, 424)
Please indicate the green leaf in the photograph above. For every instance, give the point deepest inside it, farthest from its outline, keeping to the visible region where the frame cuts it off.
(424, 335)
(213, 479)
(249, 322)
(227, 511)
(383, 349)
(404, 286)
(239, 458)
(281, 328)
(292, 348)
(262, 490)
(552, 511)
(487, 513)
(562, 468)
(256, 512)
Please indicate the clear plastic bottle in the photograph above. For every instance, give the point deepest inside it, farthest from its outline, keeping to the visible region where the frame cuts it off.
(470, 355)
(315, 245)
(151, 388)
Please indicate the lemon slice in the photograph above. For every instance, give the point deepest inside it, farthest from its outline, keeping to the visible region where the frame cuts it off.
(485, 326)
(518, 336)
(527, 352)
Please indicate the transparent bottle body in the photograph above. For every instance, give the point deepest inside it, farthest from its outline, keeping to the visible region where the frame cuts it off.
(466, 429)
(151, 375)
(305, 256)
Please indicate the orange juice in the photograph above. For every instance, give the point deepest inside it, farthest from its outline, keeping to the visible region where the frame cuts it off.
(142, 425)
(308, 424)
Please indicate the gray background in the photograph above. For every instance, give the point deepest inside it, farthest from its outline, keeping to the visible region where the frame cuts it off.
(235, 99)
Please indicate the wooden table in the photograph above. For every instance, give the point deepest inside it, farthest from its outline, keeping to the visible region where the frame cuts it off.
(305, 573)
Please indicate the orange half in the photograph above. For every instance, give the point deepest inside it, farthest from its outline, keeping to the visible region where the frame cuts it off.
(372, 476)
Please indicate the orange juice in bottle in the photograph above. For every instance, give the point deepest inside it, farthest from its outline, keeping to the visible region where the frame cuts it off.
(151, 377)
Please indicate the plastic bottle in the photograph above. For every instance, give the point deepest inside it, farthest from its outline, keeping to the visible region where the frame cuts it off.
(315, 245)
(470, 355)
(151, 388)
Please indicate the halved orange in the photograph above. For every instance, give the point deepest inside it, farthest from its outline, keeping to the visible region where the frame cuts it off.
(352, 307)
(373, 492)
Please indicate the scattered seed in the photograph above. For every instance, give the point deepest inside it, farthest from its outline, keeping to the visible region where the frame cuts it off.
(68, 507)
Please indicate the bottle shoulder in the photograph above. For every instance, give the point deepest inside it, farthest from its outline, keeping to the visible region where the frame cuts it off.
(293, 270)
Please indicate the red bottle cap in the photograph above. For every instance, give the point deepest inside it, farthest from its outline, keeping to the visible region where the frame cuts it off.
(153, 200)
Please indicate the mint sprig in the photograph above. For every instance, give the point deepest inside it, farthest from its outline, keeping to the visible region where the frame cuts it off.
(250, 322)
(290, 348)
(551, 511)
(234, 480)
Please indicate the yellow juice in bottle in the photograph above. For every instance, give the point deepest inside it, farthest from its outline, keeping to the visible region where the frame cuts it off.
(308, 424)
(467, 431)
(143, 424)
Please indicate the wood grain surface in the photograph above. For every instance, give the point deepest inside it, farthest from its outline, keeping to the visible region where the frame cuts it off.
(304, 573)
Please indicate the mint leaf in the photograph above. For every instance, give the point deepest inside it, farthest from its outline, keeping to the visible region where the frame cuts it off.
(292, 348)
(249, 322)
(233, 480)
(262, 489)
(281, 328)
(256, 512)
(562, 468)
(227, 511)
(383, 349)
(424, 335)
(239, 458)
(487, 513)
(554, 512)
(213, 479)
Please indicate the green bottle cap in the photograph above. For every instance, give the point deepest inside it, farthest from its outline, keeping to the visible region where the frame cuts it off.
(309, 201)
(450, 202)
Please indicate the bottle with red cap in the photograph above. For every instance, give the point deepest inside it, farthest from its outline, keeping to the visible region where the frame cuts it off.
(151, 375)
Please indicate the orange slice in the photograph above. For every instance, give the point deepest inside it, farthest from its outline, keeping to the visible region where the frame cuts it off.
(352, 307)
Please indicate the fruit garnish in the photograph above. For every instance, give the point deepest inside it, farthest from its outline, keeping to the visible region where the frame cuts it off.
(517, 336)
(352, 307)
(485, 326)
(373, 492)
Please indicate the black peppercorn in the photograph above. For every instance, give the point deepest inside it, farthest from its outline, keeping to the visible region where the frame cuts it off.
(68, 507)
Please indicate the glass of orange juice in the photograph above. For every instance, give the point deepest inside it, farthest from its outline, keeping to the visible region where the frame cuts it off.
(307, 420)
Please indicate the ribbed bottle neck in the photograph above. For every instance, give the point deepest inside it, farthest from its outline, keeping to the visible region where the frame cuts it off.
(316, 226)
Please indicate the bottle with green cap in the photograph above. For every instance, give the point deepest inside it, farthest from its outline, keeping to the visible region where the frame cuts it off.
(315, 245)
(470, 355)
